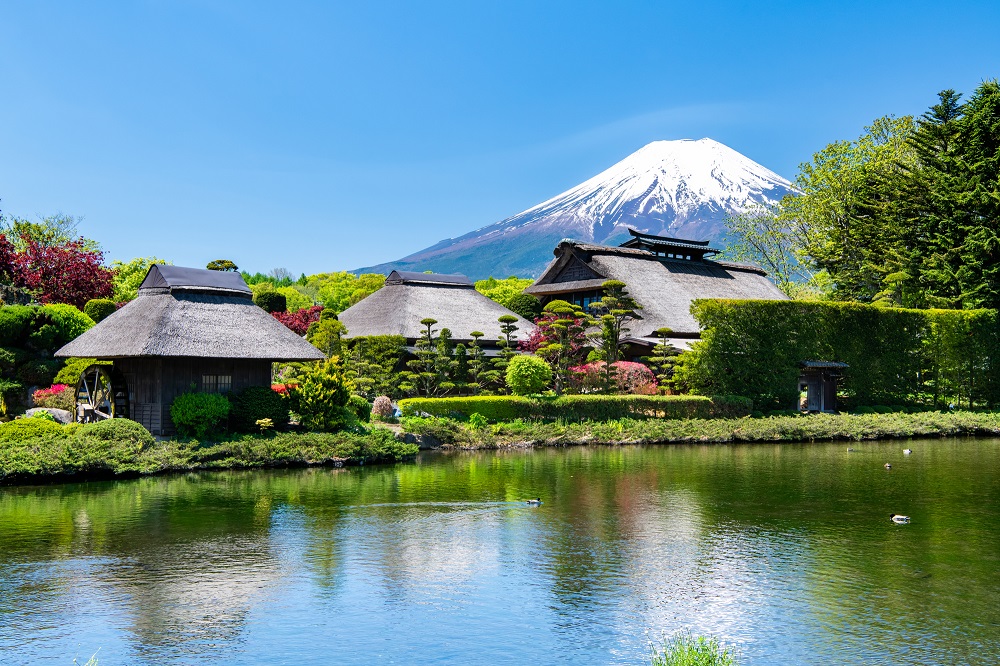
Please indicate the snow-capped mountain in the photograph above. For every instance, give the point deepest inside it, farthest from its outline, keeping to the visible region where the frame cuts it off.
(676, 188)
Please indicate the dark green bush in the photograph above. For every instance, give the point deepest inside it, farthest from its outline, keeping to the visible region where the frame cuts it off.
(199, 415)
(39, 372)
(578, 407)
(271, 301)
(255, 403)
(360, 407)
(99, 308)
(117, 430)
(525, 305)
(20, 430)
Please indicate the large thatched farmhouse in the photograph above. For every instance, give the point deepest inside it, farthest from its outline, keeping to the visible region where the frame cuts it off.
(189, 329)
(663, 275)
(407, 298)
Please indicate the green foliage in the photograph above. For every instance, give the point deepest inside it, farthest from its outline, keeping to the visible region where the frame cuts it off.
(528, 374)
(339, 291)
(199, 415)
(561, 339)
(579, 407)
(223, 265)
(504, 291)
(525, 305)
(99, 308)
(295, 299)
(20, 430)
(477, 421)
(433, 371)
(129, 275)
(895, 356)
(271, 301)
(372, 362)
(70, 373)
(360, 407)
(613, 313)
(255, 403)
(321, 399)
(117, 430)
(686, 650)
(327, 335)
(68, 321)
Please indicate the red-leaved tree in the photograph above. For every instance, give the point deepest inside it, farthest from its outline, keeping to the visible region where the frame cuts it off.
(299, 320)
(63, 272)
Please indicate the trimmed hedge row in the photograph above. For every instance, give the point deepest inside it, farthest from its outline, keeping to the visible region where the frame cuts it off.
(580, 407)
(895, 356)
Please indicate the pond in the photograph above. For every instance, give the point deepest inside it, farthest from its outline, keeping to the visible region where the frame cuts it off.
(785, 551)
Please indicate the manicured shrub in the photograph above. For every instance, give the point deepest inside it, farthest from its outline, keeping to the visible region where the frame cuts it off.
(57, 396)
(894, 356)
(199, 415)
(299, 320)
(579, 407)
(99, 308)
(20, 430)
(525, 305)
(382, 408)
(38, 372)
(255, 403)
(528, 374)
(117, 430)
(628, 377)
(271, 301)
(360, 407)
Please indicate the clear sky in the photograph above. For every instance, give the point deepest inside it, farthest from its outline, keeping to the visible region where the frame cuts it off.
(325, 136)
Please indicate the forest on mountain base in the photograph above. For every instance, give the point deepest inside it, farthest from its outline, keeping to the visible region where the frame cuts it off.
(907, 214)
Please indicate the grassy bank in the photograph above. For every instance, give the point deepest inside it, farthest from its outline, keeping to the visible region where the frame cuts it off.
(81, 453)
(817, 427)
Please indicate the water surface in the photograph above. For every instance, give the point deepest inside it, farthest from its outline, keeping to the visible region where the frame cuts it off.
(785, 551)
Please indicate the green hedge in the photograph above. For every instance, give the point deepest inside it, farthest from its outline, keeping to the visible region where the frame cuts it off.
(579, 407)
(895, 356)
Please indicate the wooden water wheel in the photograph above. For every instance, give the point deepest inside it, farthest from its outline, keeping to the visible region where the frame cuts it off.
(101, 394)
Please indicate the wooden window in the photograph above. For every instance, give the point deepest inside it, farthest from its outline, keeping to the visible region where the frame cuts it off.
(216, 383)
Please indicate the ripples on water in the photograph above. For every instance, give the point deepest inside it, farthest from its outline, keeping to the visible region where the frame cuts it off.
(784, 551)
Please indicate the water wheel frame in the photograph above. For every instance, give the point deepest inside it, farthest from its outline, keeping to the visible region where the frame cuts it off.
(101, 393)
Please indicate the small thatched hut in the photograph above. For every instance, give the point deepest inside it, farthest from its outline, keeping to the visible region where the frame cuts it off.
(406, 298)
(188, 329)
(663, 275)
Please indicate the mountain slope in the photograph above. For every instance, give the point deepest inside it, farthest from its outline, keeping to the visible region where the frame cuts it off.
(677, 188)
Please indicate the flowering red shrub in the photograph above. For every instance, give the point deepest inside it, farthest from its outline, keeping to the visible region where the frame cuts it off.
(57, 396)
(282, 389)
(63, 273)
(629, 377)
(299, 320)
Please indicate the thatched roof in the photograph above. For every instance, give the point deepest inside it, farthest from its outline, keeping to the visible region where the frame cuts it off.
(195, 313)
(664, 287)
(406, 298)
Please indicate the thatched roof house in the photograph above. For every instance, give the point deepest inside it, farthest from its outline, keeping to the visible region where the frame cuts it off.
(406, 298)
(187, 328)
(663, 275)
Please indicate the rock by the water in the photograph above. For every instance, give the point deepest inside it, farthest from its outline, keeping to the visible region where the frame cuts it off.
(60, 415)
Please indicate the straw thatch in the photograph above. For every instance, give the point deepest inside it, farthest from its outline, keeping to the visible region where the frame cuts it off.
(191, 313)
(664, 287)
(406, 298)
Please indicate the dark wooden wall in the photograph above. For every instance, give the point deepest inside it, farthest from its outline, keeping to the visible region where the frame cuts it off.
(153, 383)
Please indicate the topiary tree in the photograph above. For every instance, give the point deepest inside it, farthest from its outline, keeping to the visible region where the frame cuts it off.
(271, 301)
(99, 308)
(528, 374)
(223, 265)
(320, 400)
(525, 305)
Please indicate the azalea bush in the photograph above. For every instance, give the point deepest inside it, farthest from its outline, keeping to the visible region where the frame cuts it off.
(629, 377)
(57, 396)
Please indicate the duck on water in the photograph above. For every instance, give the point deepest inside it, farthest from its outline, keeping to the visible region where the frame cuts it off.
(898, 519)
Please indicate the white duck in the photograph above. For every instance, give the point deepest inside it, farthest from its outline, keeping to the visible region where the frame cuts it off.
(898, 519)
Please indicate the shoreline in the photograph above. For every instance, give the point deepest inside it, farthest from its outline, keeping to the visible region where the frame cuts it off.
(48, 461)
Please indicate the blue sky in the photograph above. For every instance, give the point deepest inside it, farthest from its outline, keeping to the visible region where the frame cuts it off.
(326, 136)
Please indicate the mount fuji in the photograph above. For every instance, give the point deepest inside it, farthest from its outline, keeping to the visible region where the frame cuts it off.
(679, 188)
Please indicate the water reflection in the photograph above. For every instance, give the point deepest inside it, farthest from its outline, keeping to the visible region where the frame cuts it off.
(784, 550)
